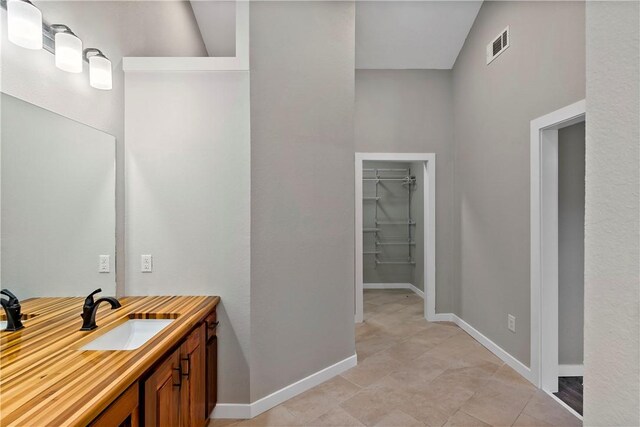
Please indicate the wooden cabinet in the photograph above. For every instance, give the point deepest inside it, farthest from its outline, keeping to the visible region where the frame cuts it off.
(178, 392)
(124, 412)
(193, 370)
(162, 394)
(212, 362)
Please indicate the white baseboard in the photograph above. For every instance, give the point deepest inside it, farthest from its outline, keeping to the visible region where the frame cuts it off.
(394, 286)
(494, 348)
(571, 370)
(244, 411)
(234, 411)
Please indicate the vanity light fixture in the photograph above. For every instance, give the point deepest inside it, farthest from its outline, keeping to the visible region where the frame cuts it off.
(24, 24)
(68, 49)
(99, 69)
(27, 28)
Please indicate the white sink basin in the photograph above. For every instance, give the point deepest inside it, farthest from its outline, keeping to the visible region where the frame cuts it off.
(128, 336)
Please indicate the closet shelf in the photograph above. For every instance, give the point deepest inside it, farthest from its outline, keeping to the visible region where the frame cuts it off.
(371, 198)
(370, 230)
(395, 262)
(407, 222)
(371, 252)
(412, 243)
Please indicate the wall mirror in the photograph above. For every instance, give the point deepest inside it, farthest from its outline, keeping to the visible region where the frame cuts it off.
(58, 204)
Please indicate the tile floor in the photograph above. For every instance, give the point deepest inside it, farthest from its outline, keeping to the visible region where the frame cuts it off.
(414, 373)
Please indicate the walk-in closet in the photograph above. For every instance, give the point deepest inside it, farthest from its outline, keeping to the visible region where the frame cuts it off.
(393, 224)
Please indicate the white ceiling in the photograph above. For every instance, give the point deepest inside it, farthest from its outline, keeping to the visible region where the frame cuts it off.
(412, 34)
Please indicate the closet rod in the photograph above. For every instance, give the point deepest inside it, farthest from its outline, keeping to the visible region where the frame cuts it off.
(386, 179)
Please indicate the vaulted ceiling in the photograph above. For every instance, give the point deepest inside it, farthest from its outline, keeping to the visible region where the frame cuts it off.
(412, 34)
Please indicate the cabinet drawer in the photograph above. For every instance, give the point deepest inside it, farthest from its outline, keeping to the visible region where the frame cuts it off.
(212, 324)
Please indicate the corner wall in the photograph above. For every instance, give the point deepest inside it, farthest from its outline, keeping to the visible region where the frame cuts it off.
(612, 223)
(302, 165)
(542, 71)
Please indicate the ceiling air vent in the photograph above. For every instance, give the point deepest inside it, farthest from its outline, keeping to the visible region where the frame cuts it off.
(499, 44)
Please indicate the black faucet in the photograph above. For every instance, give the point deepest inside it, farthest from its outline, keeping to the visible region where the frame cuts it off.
(12, 308)
(90, 308)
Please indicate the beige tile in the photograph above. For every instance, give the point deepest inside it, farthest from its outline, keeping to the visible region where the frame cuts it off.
(276, 417)
(545, 408)
(372, 370)
(461, 419)
(406, 351)
(496, 403)
(337, 417)
(310, 405)
(369, 406)
(339, 388)
(398, 418)
(506, 375)
(222, 422)
(372, 345)
(525, 420)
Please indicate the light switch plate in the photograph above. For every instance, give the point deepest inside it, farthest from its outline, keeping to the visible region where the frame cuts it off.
(104, 264)
(146, 263)
(511, 322)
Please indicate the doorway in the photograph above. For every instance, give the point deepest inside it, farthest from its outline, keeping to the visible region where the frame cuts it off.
(557, 252)
(411, 177)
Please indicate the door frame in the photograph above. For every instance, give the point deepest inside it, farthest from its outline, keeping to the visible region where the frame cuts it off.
(544, 241)
(429, 199)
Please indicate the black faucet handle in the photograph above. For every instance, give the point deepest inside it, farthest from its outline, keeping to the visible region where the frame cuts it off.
(13, 300)
(89, 300)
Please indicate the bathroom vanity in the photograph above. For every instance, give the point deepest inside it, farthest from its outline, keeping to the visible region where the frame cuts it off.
(151, 362)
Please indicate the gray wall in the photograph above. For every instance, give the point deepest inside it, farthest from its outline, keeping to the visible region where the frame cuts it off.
(122, 28)
(393, 206)
(411, 111)
(188, 200)
(541, 71)
(612, 223)
(571, 244)
(302, 246)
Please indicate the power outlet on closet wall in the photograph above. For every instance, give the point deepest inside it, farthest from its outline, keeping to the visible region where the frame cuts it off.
(146, 263)
(511, 322)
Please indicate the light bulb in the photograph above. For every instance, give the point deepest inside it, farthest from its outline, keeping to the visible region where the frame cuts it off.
(24, 24)
(100, 72)
(68, 52)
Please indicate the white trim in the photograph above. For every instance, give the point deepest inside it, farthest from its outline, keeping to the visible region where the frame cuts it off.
(240, 62)
(564, 405)
(571, 370)
(245, 411)
(544, 241)
(408, 286)
(234, 411)
(429, 188)
(494, 348)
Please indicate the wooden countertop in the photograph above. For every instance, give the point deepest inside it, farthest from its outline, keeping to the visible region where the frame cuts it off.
(45, 380)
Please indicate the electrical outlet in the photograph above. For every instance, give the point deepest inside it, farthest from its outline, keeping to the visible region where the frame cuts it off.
(511, 322)
(104, 264)
(146, 263)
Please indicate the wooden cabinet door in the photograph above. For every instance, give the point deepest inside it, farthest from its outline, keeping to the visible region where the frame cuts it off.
(193, 399)
(162, 394)
(124, 412)
(212, 362)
